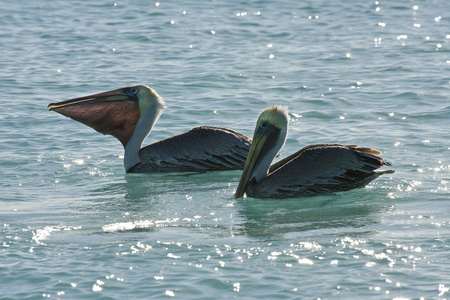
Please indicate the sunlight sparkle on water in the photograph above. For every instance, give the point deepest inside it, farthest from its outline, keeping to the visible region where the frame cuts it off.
(78, 161)
(97, 286)
(442, 289)
(273, 255)
(377, 42)
(171, 255)
(305, 261)
(236, 287)
(170, 293)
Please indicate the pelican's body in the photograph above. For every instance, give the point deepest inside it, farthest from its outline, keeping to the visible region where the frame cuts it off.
(129, 114)
(315, 169)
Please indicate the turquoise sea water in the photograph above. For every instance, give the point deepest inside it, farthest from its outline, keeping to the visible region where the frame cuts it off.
(73, 225)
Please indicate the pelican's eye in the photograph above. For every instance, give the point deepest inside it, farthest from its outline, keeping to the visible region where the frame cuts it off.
(264, 124)
(132, 91)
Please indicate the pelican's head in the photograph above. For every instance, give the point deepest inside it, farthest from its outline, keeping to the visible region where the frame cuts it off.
(269, 137)
(114, 112)
(277, 116)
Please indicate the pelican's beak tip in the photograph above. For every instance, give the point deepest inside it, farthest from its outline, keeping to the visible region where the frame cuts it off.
(238, 194)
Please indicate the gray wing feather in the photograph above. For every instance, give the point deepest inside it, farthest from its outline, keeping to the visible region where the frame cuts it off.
(198, 150)
(319, 169)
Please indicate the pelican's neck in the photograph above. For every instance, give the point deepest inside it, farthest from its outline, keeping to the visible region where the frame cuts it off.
(149, 115)
(262, 170)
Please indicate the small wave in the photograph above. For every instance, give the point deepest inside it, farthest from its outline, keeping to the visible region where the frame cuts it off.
(128, 226)
(42, 234)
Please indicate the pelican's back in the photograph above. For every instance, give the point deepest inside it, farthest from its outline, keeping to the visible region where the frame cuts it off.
(319, 169)
(200, 149)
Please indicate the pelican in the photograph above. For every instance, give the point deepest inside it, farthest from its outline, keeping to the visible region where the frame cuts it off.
(130, 113)
(315, 169)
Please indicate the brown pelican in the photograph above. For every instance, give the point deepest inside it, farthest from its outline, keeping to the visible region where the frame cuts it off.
(130, 113)
(315, 169)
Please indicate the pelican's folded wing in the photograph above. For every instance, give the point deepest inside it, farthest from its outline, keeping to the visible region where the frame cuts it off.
(198, 150)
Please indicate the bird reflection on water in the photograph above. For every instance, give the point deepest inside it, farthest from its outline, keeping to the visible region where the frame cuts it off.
(266, 218)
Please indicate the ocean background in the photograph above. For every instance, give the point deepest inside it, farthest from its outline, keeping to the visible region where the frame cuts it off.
(73, 225)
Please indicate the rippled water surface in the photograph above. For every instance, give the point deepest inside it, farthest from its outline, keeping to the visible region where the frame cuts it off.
(373, 73)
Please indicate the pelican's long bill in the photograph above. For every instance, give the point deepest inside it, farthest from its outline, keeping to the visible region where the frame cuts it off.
(265, 145)
(114, 112)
